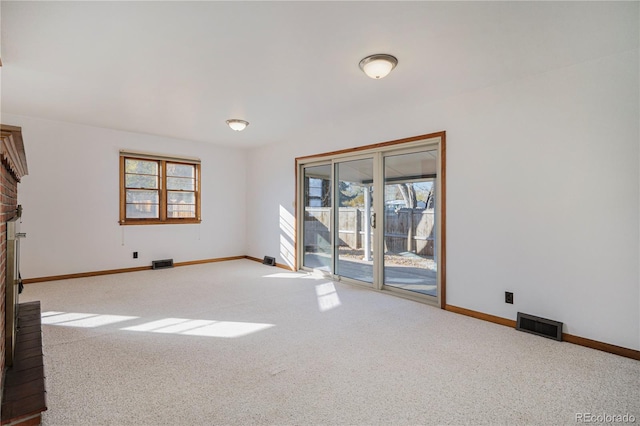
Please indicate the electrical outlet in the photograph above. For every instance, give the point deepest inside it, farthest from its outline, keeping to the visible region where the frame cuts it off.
(135, 254)
(508, 297)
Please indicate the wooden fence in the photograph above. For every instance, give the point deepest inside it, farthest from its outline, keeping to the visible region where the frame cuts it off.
(405, 230)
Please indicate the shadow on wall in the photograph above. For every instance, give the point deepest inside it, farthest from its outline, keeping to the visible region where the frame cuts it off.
(287, 237)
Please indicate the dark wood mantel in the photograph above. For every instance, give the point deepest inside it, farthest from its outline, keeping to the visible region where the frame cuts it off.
(12, 152)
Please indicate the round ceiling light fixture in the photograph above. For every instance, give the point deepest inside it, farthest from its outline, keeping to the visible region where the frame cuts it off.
(237, 125)
(378, 66)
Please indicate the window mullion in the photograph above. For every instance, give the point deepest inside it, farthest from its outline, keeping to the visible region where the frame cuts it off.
(163, 190)
(197, 192)
(123, 207)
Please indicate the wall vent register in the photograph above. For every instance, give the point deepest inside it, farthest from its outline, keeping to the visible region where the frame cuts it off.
(268, 260)
(539, 326)
(162, 264)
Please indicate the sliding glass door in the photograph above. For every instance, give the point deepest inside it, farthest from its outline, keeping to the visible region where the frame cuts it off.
(373, 218)
(410, 222)
(354, 214)
(317, 248)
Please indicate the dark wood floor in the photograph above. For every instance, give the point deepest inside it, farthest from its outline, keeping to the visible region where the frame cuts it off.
(24, 388)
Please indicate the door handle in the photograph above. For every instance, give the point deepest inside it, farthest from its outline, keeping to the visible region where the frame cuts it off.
(373, 220)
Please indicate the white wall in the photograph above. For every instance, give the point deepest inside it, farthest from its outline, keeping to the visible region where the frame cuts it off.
(542, 193)
(71, 201)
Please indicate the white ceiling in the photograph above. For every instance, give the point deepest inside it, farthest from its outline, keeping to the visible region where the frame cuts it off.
(180, 69)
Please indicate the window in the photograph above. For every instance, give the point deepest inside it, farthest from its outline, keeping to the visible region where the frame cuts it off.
(158, 190)
(318, 192)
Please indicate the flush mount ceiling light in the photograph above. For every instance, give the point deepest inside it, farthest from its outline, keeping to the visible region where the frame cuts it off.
(237, 125)
(378, 66)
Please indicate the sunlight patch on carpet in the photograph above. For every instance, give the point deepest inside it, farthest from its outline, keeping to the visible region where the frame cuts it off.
(76, 319)
(301, 275)
(207, 328)
(181, 326)
(327, 297)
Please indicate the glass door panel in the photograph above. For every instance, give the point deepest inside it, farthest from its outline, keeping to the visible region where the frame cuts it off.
(354, 215)
(317, 218)
(410, 222)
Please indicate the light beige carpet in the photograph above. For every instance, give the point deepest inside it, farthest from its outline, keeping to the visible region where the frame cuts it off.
(240, 343)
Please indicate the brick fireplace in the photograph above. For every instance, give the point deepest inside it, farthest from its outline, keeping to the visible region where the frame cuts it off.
(14, 167)
(22, 386)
